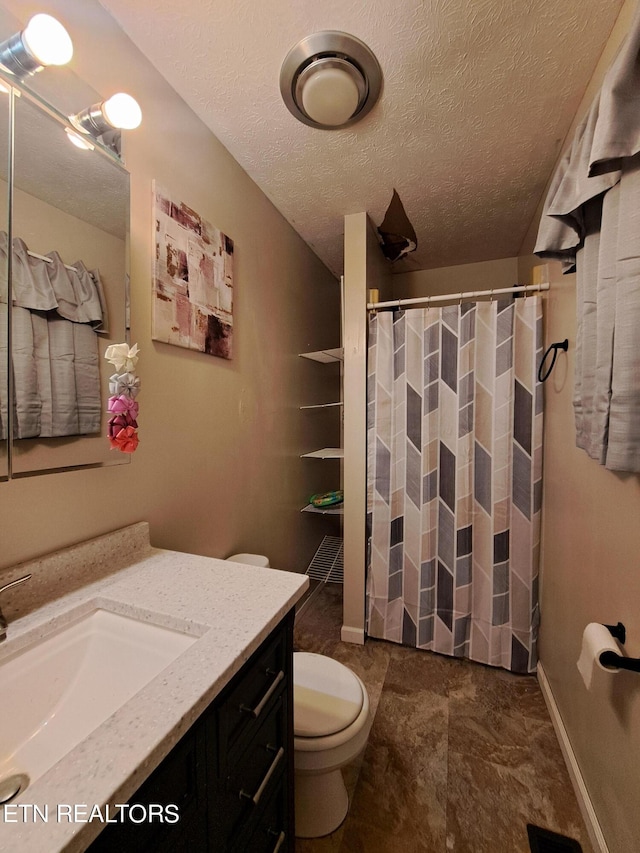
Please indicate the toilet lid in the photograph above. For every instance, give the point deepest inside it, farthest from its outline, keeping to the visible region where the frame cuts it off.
(327, 696)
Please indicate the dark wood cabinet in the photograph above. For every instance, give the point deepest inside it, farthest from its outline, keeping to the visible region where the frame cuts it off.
(230, 776)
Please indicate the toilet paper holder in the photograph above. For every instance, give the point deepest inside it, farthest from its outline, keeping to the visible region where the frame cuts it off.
(616, 661)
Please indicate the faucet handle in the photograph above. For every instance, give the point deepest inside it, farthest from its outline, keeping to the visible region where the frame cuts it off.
(14, 583)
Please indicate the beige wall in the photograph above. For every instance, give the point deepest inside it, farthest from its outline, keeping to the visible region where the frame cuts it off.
(218, 467)
(463, 277)
(590, 573)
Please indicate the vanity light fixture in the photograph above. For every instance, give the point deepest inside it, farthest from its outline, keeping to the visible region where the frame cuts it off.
(44, 41)
(79, 141)
(119, 112)
(330, 80)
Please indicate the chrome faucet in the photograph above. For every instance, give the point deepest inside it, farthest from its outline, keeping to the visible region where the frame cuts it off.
(3, 621)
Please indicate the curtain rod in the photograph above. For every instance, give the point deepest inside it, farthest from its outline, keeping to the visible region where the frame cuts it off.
(48, 260)
(452, 297)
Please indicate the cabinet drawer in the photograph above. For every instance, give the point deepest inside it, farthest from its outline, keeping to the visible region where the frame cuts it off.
(271, 832)
(250, 699)
(253, 775)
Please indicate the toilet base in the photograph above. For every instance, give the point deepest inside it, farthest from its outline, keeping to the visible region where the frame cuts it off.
(321, 802)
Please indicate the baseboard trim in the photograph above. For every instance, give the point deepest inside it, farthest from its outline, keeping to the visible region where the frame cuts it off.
(352, 635)
(577, 780)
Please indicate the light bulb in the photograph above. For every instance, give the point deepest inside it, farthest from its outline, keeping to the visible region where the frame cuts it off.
(47, 40)
(330, 96)
(122, 111)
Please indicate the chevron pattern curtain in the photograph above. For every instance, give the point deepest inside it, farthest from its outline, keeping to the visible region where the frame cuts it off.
(455, 479)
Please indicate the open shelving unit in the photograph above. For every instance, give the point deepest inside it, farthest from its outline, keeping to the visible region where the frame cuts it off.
(325, 453)
(325, 355)
(327, 562)
(337, 509)
(323, 405)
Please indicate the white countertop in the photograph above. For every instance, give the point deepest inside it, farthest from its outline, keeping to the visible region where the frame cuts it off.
(230, 607)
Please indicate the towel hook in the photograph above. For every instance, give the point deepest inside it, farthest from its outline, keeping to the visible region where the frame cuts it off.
(564, 346)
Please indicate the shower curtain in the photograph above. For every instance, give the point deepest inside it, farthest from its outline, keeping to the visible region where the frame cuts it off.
(455, 479)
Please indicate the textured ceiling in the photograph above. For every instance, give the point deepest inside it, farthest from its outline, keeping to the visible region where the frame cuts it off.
(477, 99)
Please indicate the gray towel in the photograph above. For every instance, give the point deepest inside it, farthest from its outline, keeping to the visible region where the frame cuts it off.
(87, 377)
(591, 223)
(64, 402)
(30, 284)
(4, 361)
(617, 133)
(27, 404)
(66, 297)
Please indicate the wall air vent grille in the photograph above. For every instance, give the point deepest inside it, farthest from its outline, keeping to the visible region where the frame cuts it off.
(545, 841)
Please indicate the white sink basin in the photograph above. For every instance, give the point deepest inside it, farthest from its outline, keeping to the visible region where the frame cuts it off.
(57, 691)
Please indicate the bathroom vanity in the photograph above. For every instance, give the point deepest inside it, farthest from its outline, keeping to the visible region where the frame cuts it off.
(208, 738)
(231, 775)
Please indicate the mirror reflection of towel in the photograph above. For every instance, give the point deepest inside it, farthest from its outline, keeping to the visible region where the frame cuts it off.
(397, 233)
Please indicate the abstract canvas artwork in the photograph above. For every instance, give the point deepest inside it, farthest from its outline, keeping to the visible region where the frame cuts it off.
(193, 279)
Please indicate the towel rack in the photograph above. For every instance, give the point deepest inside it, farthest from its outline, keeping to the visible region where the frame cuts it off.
(564, 346)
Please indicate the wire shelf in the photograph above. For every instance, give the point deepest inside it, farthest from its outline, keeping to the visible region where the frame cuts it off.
(336, 509)
(325, 355)
(325, 453)
(327, 564)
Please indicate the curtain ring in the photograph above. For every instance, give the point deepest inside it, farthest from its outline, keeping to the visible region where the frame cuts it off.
(491, 295)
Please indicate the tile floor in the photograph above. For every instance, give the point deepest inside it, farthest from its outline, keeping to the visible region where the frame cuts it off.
(460, 757)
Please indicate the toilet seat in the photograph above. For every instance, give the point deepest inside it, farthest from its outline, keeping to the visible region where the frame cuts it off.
(327, 696)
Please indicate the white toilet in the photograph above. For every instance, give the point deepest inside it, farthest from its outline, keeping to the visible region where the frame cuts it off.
(331, 724)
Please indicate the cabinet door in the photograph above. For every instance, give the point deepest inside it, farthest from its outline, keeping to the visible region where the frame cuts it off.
(255, 750)
(179, 781)
(231, 775)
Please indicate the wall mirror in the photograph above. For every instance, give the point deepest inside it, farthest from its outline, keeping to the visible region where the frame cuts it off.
(63, 266)
(4, 289)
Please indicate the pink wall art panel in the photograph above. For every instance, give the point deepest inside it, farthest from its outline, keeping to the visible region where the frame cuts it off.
(192, 281)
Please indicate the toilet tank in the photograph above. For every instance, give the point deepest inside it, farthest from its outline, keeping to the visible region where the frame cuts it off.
(249, 559)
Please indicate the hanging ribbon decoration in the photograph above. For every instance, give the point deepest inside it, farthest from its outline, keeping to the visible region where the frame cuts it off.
(122, 426)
